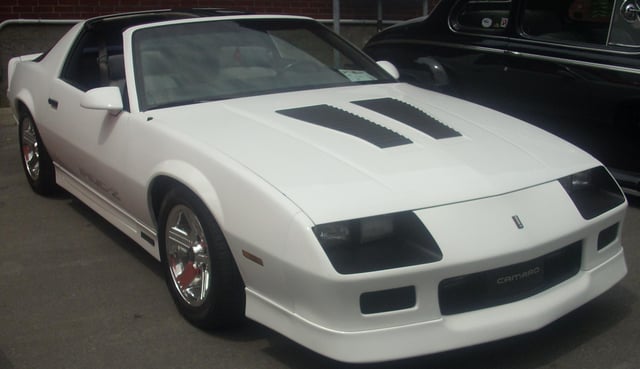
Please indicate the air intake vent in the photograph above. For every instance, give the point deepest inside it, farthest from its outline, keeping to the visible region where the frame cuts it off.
(409, 115)
(343, 121)
(508, 284)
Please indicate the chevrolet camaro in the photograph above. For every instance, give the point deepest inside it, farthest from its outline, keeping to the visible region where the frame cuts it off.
(280, 174)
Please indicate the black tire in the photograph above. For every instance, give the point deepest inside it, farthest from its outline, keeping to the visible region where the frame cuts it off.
(36, 162)
(212, 293)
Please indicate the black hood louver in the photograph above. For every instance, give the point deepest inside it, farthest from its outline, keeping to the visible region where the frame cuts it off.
(409, 115)
(340, 120)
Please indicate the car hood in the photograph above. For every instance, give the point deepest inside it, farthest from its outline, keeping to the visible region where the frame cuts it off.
(386, 160)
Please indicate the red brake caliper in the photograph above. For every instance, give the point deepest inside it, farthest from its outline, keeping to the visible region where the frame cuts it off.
(189, 273)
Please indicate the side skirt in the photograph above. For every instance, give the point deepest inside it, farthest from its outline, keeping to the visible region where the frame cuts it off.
(134, 229)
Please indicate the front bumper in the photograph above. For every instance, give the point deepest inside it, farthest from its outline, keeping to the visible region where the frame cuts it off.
(445, 333)
(326, 314)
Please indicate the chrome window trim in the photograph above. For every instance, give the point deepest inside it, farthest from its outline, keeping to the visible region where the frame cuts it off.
(524, 37)
(603, 48)
(516, 54)
(443, 44)
(574, 62)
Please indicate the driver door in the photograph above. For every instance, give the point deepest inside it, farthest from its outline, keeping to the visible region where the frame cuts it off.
(91, 144)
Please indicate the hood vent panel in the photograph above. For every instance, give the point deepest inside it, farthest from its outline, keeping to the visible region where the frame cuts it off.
(340, 120)
(409, 115)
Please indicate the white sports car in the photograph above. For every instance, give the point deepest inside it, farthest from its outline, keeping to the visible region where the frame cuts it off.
(280, 174)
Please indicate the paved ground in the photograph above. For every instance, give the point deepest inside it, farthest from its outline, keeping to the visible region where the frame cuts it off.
(75, 293)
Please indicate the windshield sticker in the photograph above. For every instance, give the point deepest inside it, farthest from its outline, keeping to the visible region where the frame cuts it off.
(486, 22)
(357, 75)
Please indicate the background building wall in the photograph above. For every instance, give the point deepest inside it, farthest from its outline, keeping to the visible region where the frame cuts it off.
(20, 38)
(79, 9)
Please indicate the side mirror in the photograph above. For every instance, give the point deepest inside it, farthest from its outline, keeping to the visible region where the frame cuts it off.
(103, 98)
(389, 68)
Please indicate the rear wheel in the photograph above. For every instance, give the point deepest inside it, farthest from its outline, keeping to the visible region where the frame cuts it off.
(36, 161)
(199, 268)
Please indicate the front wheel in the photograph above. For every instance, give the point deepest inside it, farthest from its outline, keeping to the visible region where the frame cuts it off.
(200, 271)
(36, 162)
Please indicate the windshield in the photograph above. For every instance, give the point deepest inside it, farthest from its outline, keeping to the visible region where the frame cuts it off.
(213, 60)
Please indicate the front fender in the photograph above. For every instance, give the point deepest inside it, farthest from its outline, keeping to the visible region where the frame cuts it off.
(439, 76)
(254, 217)
(177, 171)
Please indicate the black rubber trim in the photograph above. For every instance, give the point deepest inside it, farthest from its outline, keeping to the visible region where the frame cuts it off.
(388, 300)
(508, 284)
(340, 120)
(409, 115)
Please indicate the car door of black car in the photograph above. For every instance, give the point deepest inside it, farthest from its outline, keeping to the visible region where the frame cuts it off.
(574, 69)
(474, 51)
(459, 49)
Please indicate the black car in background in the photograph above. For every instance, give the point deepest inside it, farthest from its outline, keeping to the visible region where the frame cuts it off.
(571, 67)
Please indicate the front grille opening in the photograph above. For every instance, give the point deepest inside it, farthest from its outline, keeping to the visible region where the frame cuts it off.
(608, 235)
(508, 284)
(388, 300)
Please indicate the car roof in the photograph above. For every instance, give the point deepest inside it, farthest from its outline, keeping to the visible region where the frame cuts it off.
(123, 21)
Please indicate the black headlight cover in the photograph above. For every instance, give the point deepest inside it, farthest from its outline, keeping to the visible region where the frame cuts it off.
(593, 191)
(377, 243)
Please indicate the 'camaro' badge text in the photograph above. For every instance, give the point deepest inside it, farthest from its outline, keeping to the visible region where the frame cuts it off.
(518, 276)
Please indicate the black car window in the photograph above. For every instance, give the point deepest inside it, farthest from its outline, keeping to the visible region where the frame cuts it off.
(568, 21)
(83, 67)
(481, 16)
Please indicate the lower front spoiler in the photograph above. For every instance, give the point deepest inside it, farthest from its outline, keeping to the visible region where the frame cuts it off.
(448, 332)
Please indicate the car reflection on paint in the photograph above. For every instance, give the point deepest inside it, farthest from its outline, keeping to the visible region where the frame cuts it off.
(571, 67)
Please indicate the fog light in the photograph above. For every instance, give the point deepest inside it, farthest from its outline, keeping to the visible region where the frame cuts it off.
(606, 236)
(388, 300)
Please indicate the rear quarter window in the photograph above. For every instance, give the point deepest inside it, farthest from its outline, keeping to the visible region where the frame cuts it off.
(573, 22)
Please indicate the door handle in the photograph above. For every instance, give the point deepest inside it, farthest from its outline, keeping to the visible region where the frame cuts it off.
(53, 103)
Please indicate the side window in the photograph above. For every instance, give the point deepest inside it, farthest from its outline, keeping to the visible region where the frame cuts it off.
(568, 21)
(87, 66)
(82, 69)
(481, 16)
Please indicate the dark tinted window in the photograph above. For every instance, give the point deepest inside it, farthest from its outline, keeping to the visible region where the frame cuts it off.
(572, 21)
(83, 67)
(482, 16)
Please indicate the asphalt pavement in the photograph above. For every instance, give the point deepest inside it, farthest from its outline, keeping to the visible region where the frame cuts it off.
(76, 293)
